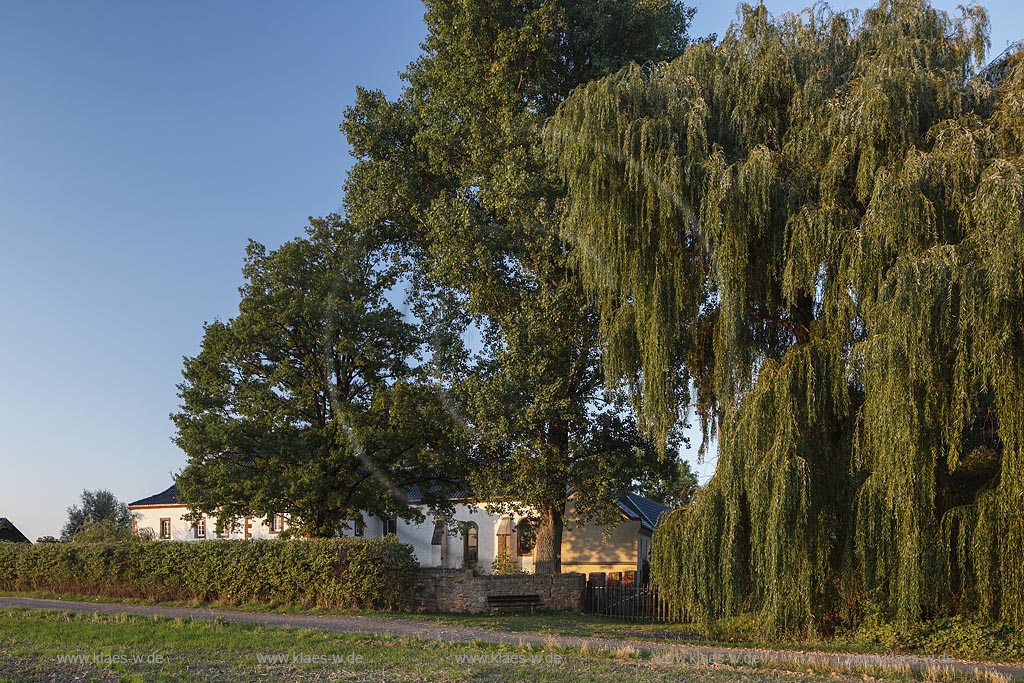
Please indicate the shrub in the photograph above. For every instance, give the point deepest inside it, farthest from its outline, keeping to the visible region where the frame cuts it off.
(348, 572)
(951, 635)
(103, 531)
(503, 564)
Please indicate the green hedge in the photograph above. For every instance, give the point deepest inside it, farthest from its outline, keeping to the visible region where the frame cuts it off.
(344, 572)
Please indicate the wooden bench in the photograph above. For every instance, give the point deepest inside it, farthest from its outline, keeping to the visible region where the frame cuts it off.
(514, 602)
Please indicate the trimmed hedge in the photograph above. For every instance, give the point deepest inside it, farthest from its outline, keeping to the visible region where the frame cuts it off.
(343, 572)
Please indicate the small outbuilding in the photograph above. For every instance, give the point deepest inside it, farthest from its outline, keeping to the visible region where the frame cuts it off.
(9, 532)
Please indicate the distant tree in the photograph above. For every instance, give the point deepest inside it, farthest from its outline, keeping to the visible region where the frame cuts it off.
(103, 531)
(47, 539)
(97, 506)
(306, 404)
(673, 484)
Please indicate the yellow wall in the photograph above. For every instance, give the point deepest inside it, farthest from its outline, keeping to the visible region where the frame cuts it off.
(586, 548)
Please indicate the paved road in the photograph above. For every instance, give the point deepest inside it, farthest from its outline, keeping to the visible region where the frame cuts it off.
(413, 628)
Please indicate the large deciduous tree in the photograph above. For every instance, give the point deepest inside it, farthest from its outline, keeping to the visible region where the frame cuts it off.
(818, 221)
(454, 172)
(305, 403)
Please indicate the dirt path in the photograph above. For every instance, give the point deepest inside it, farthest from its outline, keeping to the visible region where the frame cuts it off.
(412, 628)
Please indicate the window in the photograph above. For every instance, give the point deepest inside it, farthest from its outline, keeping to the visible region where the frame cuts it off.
(527, 533)
(438, 536)
(358, 526)
(504, 537)
(276, 524)
(391, 527)
(165, 527)
(223, 532)
(503, 547)
(199, 530)
(470, 544)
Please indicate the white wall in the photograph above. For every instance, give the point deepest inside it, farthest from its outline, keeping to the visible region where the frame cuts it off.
(449, 554)
(148, 517)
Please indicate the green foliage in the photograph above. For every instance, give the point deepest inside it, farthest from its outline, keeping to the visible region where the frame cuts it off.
(96, 507)
(817, 222)
(103, 531)
(305, 403)
(454, 174)
(504, 564)
(345, 572)
(953, 636)
(672, 484)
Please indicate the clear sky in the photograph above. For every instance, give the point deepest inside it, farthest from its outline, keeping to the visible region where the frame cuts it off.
(141, 145)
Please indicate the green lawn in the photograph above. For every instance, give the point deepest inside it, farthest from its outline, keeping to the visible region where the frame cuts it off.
(954, 637)
(35, 646)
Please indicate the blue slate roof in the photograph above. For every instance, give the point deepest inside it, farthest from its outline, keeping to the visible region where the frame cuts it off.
(416, 493)
(167, 497)
(646, 510)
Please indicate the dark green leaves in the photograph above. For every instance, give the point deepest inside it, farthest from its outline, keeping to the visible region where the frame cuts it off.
(307, 403)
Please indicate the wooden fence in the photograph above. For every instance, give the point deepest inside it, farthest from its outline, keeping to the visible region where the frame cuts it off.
(625, 599)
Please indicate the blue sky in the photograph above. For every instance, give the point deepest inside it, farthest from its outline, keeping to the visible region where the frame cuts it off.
(141, 145)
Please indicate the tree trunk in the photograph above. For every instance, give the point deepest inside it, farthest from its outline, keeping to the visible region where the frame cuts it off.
(801, 315)
(547, 552)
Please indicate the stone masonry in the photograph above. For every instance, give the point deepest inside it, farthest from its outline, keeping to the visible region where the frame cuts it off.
(460, 590)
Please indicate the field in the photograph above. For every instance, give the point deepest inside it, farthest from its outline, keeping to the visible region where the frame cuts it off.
(37, 645)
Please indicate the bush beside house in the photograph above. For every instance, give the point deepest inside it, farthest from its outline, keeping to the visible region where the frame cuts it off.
(346, 573)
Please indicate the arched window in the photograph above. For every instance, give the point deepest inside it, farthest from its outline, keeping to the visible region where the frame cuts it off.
(470, 544)
(527, 533)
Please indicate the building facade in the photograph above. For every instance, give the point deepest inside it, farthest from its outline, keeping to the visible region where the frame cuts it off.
(473, 537)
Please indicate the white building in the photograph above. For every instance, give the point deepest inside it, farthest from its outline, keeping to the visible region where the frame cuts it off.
(162, 517)
(472, 537)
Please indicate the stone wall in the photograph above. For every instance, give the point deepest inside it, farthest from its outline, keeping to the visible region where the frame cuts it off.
(459, 590)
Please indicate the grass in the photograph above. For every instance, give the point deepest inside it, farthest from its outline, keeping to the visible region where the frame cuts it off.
(132, 649)
(954, 637)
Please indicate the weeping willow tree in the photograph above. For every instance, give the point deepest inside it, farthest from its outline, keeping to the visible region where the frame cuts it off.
(816, 223)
